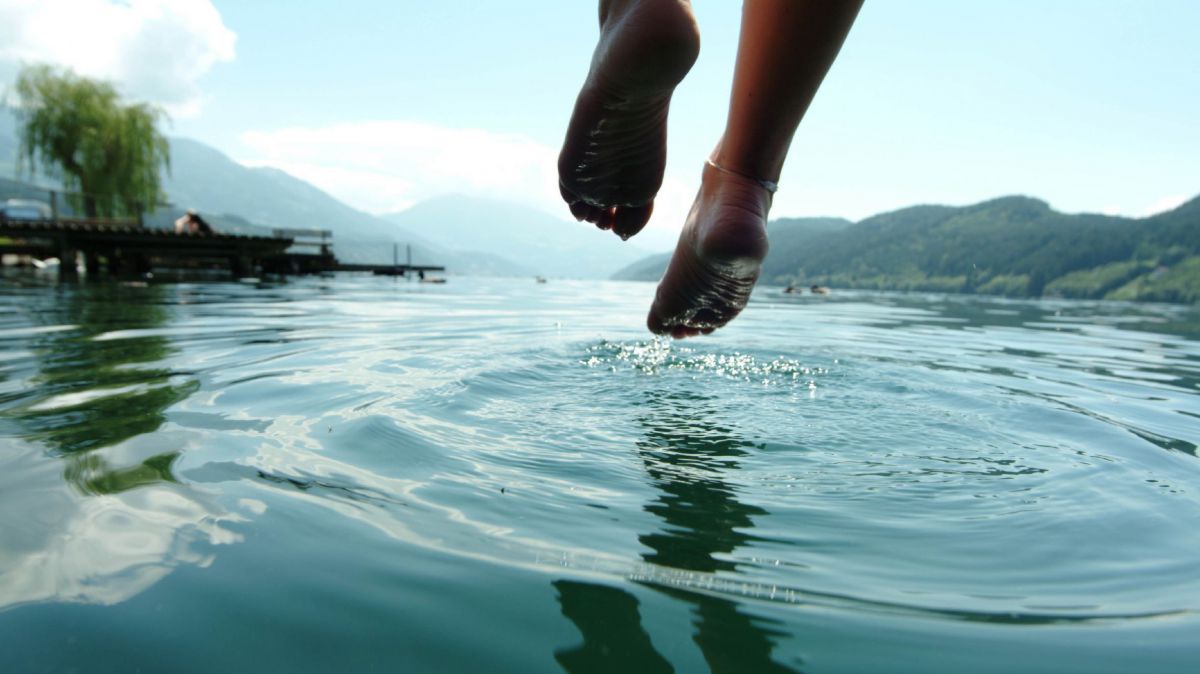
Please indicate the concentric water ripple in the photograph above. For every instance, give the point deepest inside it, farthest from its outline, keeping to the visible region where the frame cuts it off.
(905, 460)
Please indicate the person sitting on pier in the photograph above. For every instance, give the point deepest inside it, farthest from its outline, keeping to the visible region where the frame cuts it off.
(192, 223)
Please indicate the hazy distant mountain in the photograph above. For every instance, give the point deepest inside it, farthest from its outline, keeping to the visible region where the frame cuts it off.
(248, 200)
(467, 235)
(649, 268)
(202, 177)
(1015, 246)
(205, 179)
(548, 245)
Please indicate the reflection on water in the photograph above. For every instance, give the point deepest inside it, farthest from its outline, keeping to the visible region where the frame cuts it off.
(613, 638)
(102, 549)
(686, 454)
(92, 404)
(965, 477)
(98, 393)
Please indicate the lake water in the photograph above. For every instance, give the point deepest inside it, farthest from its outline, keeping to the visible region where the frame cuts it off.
(367, 474)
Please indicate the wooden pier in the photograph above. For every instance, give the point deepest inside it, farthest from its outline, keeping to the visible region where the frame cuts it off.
(124, 248)
(312, 253)
(388, 269)
(395, 268)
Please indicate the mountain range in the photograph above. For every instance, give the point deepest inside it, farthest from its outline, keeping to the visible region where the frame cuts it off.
(513, 232)
(1014, 246)
(467, 235)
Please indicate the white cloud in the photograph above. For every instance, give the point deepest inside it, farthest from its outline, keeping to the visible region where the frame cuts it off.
(154, 50)
(60, 546)
(387, 165)
(382, 166)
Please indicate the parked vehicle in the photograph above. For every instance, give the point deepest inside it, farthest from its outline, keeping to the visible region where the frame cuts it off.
(25, 209)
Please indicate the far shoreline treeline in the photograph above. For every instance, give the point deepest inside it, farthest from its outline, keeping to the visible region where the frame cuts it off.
(1012, 246)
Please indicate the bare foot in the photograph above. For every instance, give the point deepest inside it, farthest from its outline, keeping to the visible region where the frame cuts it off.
(717, 259)
(612, 160)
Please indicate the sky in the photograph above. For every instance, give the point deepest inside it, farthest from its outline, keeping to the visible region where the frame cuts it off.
(1092, 105)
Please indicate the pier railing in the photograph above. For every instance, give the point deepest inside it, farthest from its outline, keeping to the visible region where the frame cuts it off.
(313, 241)
(38, 223)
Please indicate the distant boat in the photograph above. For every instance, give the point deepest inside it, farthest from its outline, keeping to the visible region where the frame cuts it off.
(819, 290)
(541, 279)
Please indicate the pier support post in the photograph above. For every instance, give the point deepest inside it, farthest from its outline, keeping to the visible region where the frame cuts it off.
(241, 265)
(119, 263)
(91, 262)
(67, 262)
(129, 263)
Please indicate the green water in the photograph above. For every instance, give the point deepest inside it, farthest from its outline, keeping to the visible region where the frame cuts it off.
(362, 474)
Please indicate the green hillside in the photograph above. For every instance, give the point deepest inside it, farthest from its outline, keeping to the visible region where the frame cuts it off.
(789, 236)
(649, 268)
(1014, 246)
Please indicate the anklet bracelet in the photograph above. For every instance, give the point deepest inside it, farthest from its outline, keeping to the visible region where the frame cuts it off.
(767, 185)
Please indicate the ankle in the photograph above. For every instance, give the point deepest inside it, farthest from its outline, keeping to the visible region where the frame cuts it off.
(747, 192)
(770, 186)
(729, 219)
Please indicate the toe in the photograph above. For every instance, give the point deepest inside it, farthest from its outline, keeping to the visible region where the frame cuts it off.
(607, 217)
(579, 210)
(567, 195)
(577, 205)
(654, 322)
(683, 332)
(600, 217)
(630, 220)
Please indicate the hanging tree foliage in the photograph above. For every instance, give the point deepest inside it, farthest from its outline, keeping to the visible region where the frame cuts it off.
(79, 131)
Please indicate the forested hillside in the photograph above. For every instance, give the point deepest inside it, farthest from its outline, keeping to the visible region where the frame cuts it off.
(1014, 246)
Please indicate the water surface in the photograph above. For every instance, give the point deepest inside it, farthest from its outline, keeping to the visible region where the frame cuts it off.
(368, 474)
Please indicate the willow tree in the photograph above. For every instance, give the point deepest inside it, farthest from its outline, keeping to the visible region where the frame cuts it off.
(79, 131)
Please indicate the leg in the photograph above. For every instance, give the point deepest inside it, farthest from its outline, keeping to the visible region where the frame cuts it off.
(785, 49)
(612, 160)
